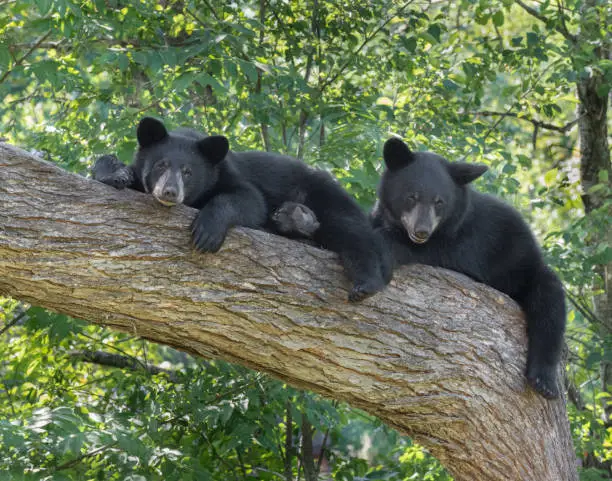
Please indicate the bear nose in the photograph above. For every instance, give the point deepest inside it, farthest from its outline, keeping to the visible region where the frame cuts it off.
(170, 193)
(421, 234)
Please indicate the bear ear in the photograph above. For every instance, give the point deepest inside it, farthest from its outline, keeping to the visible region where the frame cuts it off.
(150, 131)
(214, 148)
(464, 173)
(396, 154)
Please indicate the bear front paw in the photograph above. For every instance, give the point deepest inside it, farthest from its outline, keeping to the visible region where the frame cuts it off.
(362, 290)
(206, 235)
(544, 380)
(109, 170)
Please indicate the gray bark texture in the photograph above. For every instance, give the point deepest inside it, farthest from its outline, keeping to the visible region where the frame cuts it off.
(436, 355)
(595, 158)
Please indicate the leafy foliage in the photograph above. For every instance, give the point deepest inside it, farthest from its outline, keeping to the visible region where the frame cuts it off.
(486, 81)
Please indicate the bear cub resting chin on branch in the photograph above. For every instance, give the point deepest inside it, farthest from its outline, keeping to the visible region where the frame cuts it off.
(251, 189)
(428, 214)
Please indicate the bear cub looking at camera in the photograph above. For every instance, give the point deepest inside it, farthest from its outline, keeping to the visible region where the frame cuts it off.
(251, 189)
(430, 215)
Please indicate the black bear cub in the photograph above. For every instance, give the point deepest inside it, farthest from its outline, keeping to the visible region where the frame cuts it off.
(251, 189)
(430, 215)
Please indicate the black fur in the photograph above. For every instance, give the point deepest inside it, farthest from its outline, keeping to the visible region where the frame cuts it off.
(293, 219)
(475, 234)
(246, 188)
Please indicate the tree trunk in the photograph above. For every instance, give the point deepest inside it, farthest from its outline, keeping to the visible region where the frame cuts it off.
(595, 158)
(436, 355)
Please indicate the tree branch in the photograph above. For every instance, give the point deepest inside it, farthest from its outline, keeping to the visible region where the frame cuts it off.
(562, 28)
(366, 40)
(121, 362)
(536, 123)
(436, 355)
(77, 460)
(12, 322)
(25, 55)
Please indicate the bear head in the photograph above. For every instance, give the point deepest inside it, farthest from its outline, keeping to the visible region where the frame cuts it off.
(422, 192)
(177, 167)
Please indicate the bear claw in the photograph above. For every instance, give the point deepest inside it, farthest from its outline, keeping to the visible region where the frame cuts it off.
(361, 291)
(206, 235)
(544, 381)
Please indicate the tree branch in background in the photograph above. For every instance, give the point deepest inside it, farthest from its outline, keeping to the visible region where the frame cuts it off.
(12, 322)
(289, 443)
(332, 78)
(265, 137)
(25, 55)
(121, 362)
(561, 28)
(308, 463)
(536, 123)
(75, 461)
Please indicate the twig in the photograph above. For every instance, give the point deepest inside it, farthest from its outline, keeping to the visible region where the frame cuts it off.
(12, 322)
(309, 62)
(265, 137)
(322, 452)
(562, 29)
(289, 444)
(366, 40)
(25, 55)
(241, 461)
(210, 7)
(584, 310)
(536, 123)
(78, 459)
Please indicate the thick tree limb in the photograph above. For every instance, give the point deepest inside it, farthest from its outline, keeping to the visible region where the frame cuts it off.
(435, 355)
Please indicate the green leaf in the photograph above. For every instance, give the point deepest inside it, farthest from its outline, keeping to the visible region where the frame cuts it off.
(551, 177)
(204, 79)
(498, 18)
(450, 85)
(532, 39)
(410, 43)
(603, 257)
(43, 6)
(593, 359)
(249, 70)
(435, 30)
(428, 37)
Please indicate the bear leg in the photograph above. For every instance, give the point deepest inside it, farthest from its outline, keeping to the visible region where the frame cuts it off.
(544, 307)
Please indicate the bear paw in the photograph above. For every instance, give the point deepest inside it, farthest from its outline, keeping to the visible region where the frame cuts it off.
(362, 290)
(207, 235)
(293, 218)
(544, 380)
(109, 170)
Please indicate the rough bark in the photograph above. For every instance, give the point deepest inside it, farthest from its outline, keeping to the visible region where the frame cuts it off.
(595, 158)
(436, 355)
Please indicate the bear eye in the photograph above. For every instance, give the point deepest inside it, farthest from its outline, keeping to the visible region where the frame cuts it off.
(186, 171)
(163, 164)
(439, 202)
(412, 197)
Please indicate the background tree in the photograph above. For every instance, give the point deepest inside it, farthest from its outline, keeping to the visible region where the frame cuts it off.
(522, 86)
